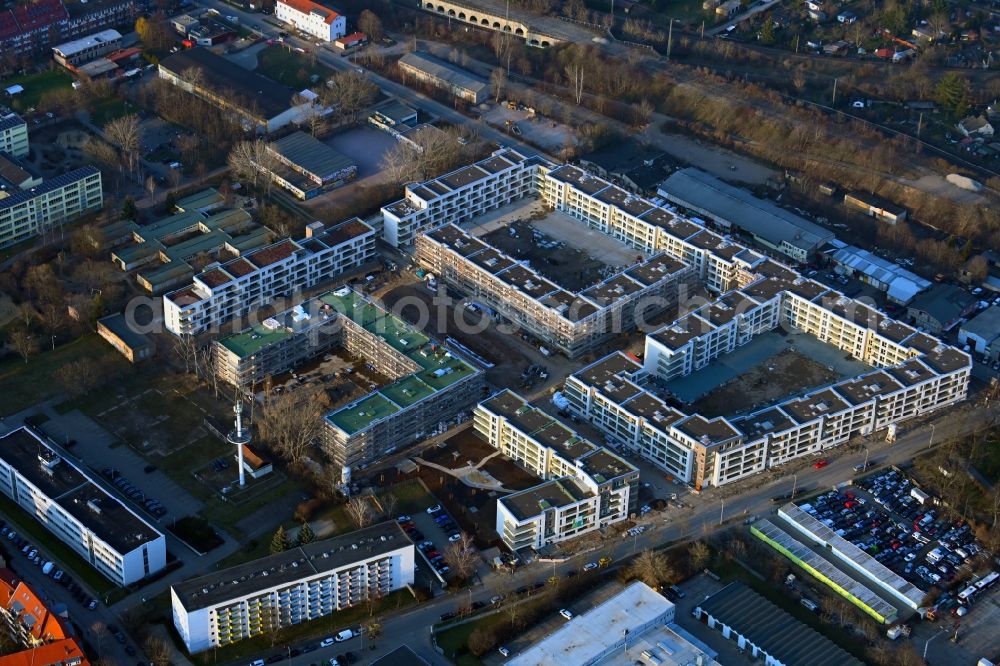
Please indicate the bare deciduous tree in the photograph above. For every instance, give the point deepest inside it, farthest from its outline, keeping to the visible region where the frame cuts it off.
(462, 556)
(250, 160)
(290, 422)
(576, 75)
(370, 24)
(359, 510)
(498, 79)
(23, 342)
(349, 93)
(652, 568)
(388, 501)
(125, 133)
(156, 650)
(699, 554)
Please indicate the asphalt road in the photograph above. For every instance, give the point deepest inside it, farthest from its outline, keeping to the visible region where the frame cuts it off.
(702, 516)
(334, 61)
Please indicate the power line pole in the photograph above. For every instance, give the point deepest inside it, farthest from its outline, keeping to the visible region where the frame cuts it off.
(834, 103)
(670, 38)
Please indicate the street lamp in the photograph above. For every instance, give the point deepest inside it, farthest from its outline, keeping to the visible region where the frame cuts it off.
(867, 452)
(722, 508)
(931, 443)
(795, 482)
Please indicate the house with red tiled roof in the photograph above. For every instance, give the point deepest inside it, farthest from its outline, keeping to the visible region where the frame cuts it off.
(46, 638)
(312, 18)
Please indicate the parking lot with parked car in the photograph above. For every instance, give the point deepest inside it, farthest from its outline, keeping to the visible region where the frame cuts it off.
(899, 525)
(432, 531)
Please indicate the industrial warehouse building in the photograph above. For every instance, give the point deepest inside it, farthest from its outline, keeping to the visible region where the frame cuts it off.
(431, 384)
(766, 631)
(301, 584)
(585, 487)
(119, 544)
(305, 166)
(235, 287)
(635, 626)
(260, 103)
(766, 223)
(982, 333)
(425, 67)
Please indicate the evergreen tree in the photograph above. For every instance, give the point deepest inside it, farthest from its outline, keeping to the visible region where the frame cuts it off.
(280, 542)
(952, 95)
(306, 534)
(129, 211)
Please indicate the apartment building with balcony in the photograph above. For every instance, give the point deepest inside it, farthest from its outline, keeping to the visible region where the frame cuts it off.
(40, 636)
(232, 289)
(432, 385)
(910, 374)
(572, 323)
(66, 501)
(500, 179)
(27, 212)
(301, 584)
(584, 487)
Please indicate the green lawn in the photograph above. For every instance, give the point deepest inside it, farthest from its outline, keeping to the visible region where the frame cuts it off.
(25, 384)
(453, 641)
(37, 85)
(107, 110)
(290, 68)
(35, 532)
(320, 627)
(225, 515)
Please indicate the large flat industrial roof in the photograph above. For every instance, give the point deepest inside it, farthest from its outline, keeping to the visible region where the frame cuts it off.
(587, 636)
(248, 90)
(311, 155)
(700, 190)
(773, 630)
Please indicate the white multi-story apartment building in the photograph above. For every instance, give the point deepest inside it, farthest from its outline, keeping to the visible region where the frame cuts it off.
(912, 374)
(24, 213)
(101, 529)
(298, 585)
(463, 194)
(565, 321)
(585, 487)
(13, 135)
(233, 289)
(311, 18)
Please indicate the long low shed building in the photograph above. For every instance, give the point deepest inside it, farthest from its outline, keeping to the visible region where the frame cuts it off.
(769, 225)
(457, 81)
(767, 631)
(879, 575)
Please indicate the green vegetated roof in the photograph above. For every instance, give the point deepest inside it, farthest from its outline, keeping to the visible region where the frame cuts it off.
(362, 413)
(252, 340)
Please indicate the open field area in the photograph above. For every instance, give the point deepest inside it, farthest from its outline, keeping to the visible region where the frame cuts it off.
(771, 367)
(290, 68)
(25, 384)
(785, 373)
(36, 86)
